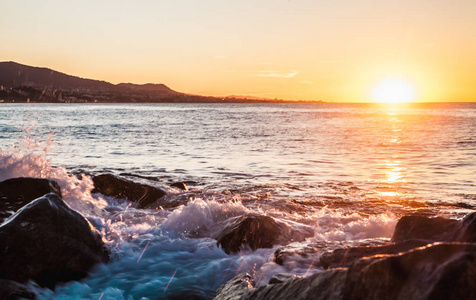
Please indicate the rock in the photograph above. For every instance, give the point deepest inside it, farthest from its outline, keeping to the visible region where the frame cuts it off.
(302, 252)
(235, 288)
(425, 228)
(328, 285)
(468, 233)
(143, 195)
(281, 277)
(180, 185)
(306, 252)
(256, 231)
(340, 258)
(438, 271)
(48, 242)
(14, 290)
(17, 192)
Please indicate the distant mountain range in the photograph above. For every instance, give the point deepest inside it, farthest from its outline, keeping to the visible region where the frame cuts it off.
(22, 83)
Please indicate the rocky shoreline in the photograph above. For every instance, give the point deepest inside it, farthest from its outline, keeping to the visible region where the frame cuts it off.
(47, 242)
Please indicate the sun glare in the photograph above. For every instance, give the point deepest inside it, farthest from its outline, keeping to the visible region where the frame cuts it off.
(393, 91)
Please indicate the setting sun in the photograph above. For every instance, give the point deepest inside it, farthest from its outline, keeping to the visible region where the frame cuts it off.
(393, 91)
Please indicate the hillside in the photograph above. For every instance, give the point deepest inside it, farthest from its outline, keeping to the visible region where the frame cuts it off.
(22, 83)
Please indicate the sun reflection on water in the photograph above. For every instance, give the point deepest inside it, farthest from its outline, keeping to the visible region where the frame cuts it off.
(392, 175)
(393, 172)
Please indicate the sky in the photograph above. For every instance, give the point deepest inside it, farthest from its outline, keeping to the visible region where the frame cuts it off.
(332, 50)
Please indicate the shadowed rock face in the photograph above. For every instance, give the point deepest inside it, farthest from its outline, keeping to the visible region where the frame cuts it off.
(179, 185)
(143, 195)
(48, 242)
(410, 232)
(431, 229)
(17, 192)
(14, 290)
(437, 271)
(341, 258)
(256, 231)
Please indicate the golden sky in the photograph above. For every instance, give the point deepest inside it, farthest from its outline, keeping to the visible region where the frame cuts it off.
(330, 50)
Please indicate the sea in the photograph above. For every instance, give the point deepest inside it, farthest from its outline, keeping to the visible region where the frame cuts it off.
(345, 172)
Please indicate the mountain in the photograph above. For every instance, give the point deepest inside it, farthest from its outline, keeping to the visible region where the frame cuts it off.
(13, 74)
(22, 83)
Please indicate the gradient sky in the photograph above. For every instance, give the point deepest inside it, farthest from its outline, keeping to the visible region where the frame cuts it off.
(331, 50)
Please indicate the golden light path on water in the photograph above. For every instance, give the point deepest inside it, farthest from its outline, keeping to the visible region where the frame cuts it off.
(393, 170)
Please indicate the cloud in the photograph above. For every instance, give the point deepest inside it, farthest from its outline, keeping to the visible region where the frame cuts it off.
(307, 82)
(277, 74)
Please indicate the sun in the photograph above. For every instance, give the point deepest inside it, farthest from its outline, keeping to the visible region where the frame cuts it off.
(393, 91)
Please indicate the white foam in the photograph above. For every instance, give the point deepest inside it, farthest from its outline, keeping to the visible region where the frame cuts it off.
(337, 225)
(29, 159)
(200, 217)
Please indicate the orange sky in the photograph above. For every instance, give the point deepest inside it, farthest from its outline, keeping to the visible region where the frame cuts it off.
(289, 49)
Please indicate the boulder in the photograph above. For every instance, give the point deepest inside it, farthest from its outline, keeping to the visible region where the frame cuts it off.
(437, 271)
(48, 242)
(410, 232)
(282, 277)
(468, 225)
(256, 231)
(344, 257)
(13, 290)
(179, 185)
(424, 228)
(17, 192)
(302, 252)
(143, 195)
(236, 288)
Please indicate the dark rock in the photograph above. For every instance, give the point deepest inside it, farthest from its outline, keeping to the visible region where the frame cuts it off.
(281, 277)
(235, 288)
(256, 231)
(425, 228)
(328, 285)
(302, 253)
(438, 271)
(345, 257)
(17, 192)
(468, 233)
(48, 242)
(180, 185)
(13, 290)
(143, 195)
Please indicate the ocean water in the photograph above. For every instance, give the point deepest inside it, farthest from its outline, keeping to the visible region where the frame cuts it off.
(345, 172)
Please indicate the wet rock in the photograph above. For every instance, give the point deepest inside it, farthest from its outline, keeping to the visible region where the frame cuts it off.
(345, 257)
(143, 195)
(328, 285)
(281, 277)
(256, 231)
(180, 185)
(13, 290)
(236, 288)
(438, 271)
(299, 252)
(17, 192)
(309, 252)
(48, 242)
(468, 233)
(425, 228)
